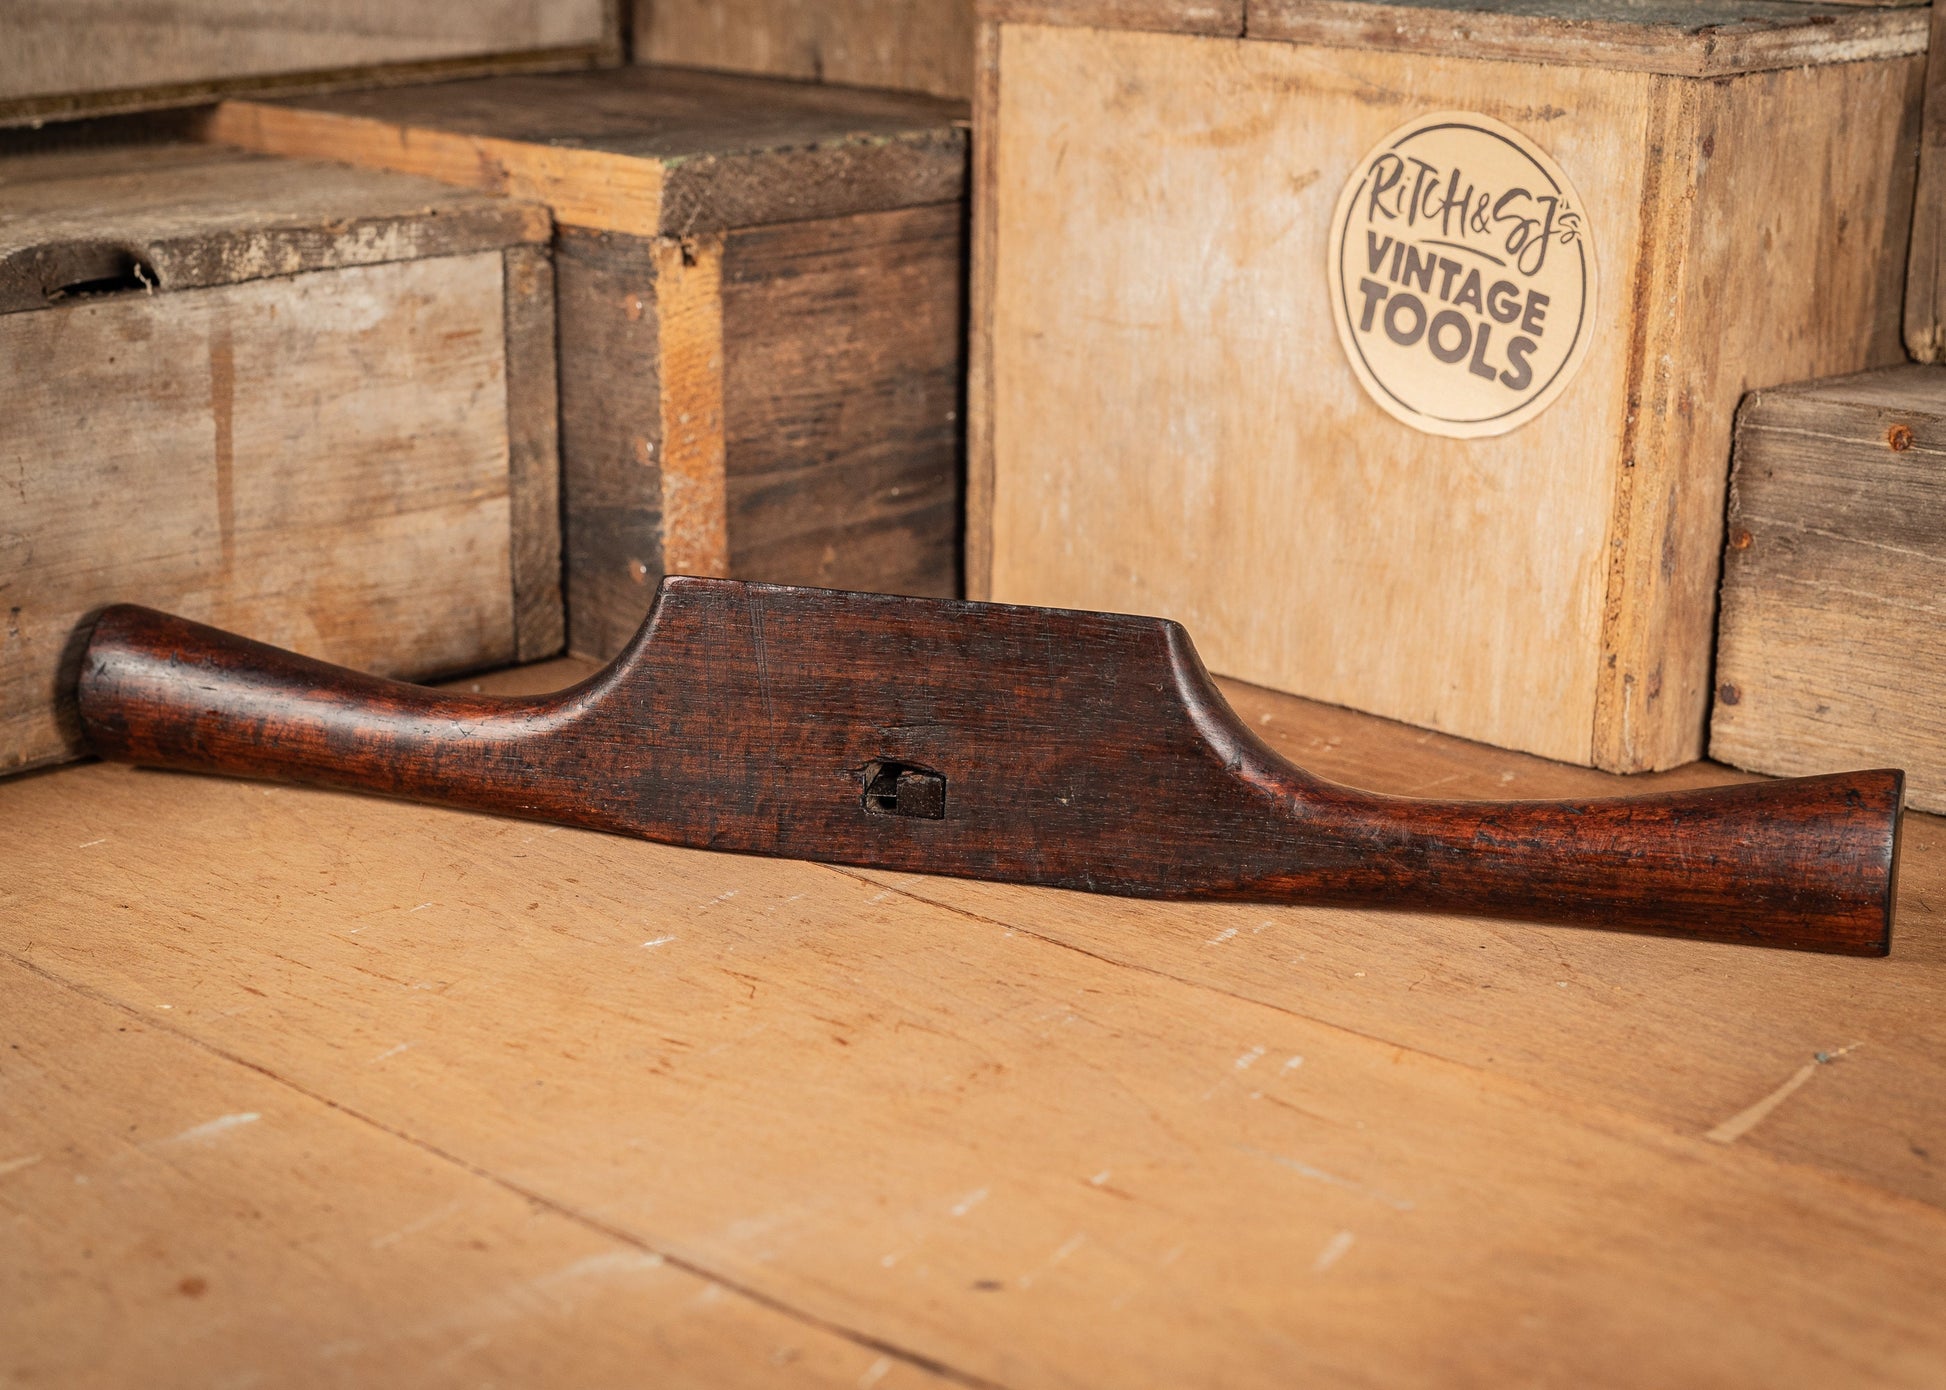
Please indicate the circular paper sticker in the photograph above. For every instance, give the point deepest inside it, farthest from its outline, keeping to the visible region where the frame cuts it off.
(1462, 278)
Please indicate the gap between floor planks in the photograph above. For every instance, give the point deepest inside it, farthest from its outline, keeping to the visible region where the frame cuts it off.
(811, 1321)
(1636, 1126)
(1798, 989)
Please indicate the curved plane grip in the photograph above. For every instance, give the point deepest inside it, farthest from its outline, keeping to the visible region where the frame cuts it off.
(1072, 750)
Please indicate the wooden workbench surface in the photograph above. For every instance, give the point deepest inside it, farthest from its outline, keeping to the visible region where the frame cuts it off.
(307, 1088)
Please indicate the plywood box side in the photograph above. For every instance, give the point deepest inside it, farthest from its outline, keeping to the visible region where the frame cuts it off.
(1173, 425)
(923, 47)
(1832, 650)
(1144, 303)
(1772, 261)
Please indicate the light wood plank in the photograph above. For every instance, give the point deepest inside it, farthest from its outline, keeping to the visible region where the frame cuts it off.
(176, 1217)
(643, 151)
(1687, 1038)
(689, 356)
(1018, 1159)
(982, 285)
(583, 188)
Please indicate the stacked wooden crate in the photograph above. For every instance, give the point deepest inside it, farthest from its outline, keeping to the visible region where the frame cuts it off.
(760, 318)
(1832, 649)
(1831, 643)
(91, 56)
(761, 314)
(1168, 410)
(312, 403)
(914, 45)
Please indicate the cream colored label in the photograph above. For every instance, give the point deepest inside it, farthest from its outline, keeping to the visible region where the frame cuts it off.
(1461, 277)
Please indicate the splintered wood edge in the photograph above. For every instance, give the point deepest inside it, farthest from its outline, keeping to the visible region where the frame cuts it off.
(585, 188)
(1622, 738)
(1859, 33)
(235, 255)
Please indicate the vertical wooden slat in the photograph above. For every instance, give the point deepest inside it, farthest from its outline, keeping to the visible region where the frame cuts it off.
(533, 453)
(979, 361)
(611, 441)
(689, 293)
(1925, 335)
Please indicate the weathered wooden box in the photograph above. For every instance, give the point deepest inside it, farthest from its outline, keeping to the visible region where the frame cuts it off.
(1832, 645)
(1396, 348)
(760, 314)
(912, 45)
(82, 57)
(309, 403)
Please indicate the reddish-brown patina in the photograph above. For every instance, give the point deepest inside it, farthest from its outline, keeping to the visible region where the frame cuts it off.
(1074, 750)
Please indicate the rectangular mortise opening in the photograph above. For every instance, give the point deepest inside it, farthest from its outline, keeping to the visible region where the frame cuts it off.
(902, 789)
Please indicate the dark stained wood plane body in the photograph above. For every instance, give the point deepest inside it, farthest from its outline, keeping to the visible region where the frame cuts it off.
(1076, 750)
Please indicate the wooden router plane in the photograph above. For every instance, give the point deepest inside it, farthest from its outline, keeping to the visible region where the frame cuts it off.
(1073, 750)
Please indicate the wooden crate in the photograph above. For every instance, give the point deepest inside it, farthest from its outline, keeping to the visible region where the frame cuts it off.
(914, 45)
(310, 403)
(1831, 650)
(760, 314)
(79, 57)
(1165, 417)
